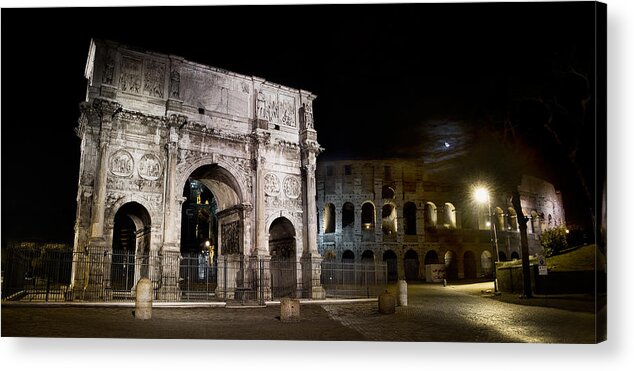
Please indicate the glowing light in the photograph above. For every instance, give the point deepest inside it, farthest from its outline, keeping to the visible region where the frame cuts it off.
(488, 224)
(447, 145)
(481, 195)
(207, 243)
(567, 231)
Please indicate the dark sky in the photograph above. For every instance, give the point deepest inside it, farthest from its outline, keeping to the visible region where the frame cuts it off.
(390, 80)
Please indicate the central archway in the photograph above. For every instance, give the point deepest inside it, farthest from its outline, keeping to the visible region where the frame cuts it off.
(212, 220)
(211, 225)
(282, 246)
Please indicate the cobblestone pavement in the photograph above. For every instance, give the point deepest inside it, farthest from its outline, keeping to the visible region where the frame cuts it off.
(172, 323)
(435, 313)
(460, 314)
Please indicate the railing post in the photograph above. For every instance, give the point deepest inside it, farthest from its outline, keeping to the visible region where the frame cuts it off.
(261, 279)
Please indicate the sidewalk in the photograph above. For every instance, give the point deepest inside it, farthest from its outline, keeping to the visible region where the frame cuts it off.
(572, 302)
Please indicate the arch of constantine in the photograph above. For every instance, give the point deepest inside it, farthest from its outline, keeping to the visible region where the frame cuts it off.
(167, 143)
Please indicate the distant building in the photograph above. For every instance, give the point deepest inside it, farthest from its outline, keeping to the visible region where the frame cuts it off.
(392, 210)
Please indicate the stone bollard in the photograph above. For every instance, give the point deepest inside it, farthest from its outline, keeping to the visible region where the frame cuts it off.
(402, 293)
(387, 303)
(143, 304)
(289, 310)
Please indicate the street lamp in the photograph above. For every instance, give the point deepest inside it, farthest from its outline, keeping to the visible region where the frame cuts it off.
(481, 195)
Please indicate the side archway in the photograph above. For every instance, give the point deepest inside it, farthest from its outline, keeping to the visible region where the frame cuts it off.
(283, 266)
(131, 241)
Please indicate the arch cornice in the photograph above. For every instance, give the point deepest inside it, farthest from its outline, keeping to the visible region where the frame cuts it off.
(112, 210)
(187, 167)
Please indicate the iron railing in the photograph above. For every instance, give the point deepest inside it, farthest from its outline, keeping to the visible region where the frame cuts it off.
(42, 275)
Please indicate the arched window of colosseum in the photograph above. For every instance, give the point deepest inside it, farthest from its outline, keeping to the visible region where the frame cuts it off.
(512, 219)
(367, 215)
(430, 215)
(486, 264)
(502, 256)
(330, 255)
(534, 221)
(449, 215)
(347, 257)
(515, 255)
(388, 215)
(451, 265)
(499, 218)
(329, 218)
(347, 215)
(389, 257)
(431, 257)
(550, 220)
(387, 193)
(367, 256)
(409, 218)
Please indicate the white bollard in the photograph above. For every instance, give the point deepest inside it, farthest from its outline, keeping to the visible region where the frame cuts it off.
(143, 303)
(402, 293)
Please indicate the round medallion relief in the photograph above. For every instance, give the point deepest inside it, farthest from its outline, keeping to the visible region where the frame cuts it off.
(292, 188)
(149, 167)
(121, 163)
(271, 184)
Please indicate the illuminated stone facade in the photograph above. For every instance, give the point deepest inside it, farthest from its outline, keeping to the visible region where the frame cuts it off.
(150, 123)
(393, 211)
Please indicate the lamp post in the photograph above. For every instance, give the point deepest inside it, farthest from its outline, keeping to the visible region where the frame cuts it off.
(481, 195)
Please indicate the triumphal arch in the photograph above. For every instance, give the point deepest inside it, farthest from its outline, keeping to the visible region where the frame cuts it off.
(154, 128)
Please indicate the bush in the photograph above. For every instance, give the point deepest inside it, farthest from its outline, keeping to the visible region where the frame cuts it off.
(554, 241)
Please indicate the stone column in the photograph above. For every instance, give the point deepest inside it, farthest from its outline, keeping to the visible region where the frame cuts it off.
(260, 140)
(99, 257)
(311, 260)
(171, 194)
(170, 253)
(260, 259)
(106, 111)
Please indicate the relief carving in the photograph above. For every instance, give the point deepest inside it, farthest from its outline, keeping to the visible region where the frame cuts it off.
(154, 79)
(175, 82)
(108, 71)
(130, 79)
(267, 107)
(287, 108)
(245, 87)
(273, 202)
(271, 184)
(231, 237)
(149, 167)
(261, 105)
(121, 163)
(306, 115)
(292, 188)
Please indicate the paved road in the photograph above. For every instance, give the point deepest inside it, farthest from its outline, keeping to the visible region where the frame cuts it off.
(456, 314)
(460, 314)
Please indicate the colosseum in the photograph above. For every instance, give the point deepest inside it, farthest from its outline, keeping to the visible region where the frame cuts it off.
(423, 227)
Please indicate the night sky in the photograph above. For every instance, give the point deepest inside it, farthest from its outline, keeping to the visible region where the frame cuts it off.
(391, 80)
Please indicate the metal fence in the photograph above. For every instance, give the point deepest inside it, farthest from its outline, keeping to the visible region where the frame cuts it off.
(353, 280)
(43, 275)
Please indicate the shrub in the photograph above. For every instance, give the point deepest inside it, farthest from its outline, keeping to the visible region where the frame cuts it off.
(554, 241)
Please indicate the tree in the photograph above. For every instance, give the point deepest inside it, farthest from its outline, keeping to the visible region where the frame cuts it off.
(554, 241)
